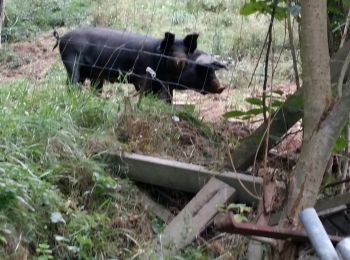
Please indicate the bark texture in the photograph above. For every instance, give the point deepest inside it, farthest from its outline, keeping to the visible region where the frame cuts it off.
(2, 12)
(315, 63)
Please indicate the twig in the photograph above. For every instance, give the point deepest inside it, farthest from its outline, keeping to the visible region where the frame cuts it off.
(257, 63)
(336, 183)
(344, 163)
(346, 28)
(256, 196)
(274, 5)
(288, 134)
(292, 48)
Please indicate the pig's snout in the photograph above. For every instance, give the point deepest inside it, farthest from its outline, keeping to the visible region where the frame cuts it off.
(214, 87)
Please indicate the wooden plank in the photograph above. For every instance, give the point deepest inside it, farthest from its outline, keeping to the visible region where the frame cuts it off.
(184, 176)
(193, 218)
(322, 206)
(157, 209)
(342, 199)
(328, 212)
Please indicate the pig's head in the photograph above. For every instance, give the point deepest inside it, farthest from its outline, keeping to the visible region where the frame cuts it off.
(176, 52)
(199, 74)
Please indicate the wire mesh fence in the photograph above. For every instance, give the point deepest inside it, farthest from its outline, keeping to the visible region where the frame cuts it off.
(220, 26)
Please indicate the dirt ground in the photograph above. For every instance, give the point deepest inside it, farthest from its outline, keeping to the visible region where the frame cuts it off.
(34, 58)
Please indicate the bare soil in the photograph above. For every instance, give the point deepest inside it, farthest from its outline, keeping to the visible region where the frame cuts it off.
(33, 59)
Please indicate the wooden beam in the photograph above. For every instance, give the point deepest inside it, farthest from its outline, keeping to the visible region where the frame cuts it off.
(338, 200)
(188, 224)
(157, 209)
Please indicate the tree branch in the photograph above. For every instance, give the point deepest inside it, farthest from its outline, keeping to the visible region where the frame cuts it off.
(274, 5)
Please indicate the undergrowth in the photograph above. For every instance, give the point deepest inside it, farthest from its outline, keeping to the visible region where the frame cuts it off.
(57, 198)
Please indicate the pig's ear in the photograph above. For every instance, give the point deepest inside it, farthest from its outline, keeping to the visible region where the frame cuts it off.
(211, 62)
(167, 43)
(217, 65)
(190, 42)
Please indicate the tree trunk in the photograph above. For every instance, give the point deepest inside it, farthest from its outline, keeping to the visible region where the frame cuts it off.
(2, 12)
(315, 63)
(319, 135)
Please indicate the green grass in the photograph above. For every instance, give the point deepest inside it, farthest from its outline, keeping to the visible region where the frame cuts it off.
(25, 19)
(56, 194)
(57, 198)
(46, 168)
(220, 26)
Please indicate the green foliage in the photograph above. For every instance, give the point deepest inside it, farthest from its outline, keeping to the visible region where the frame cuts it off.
(337, 14)
(240, 211)
(44, 252)
(192, 253)
(340, 144)
(276, 103)
(263, 7)
(25, 19)
(46, 176)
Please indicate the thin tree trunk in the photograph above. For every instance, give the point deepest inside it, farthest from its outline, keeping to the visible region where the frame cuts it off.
(346, 28)
(2, 8)
(318, 138)
(344, 162)
(315, 63)
(292, 48)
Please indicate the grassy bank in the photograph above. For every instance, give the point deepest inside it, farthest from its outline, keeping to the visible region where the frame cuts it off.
(58, 199)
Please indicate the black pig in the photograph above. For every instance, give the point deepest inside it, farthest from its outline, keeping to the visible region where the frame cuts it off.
(198, 75)
(101, 54)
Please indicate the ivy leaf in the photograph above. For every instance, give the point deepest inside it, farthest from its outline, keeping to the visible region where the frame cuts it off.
(277, 103)
(239, 207)
(240, 218)
(340, 144)
(254, 101)
(253, 7)
(234, 113)
(280, 13)
(254, 111)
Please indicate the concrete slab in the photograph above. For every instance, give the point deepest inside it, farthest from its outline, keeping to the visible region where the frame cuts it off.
(184, 176)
